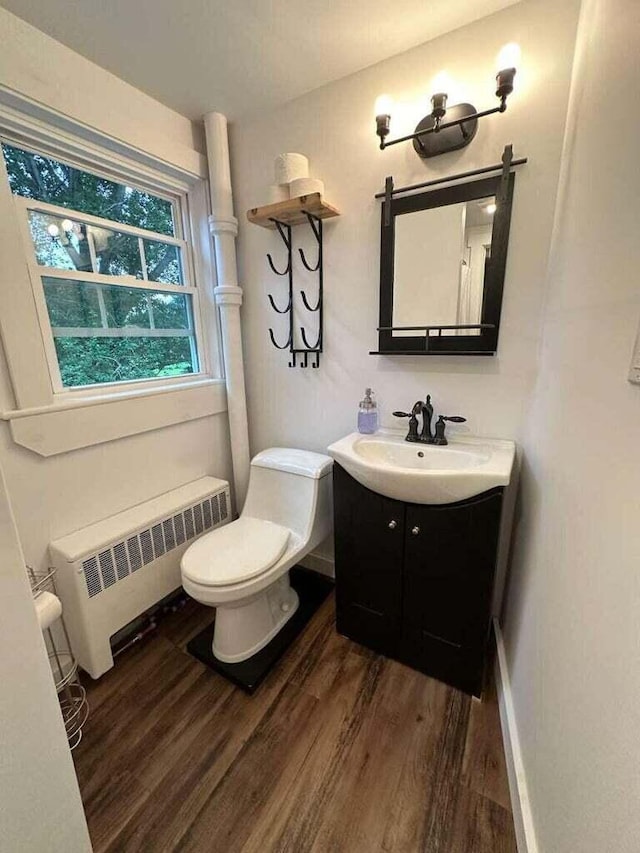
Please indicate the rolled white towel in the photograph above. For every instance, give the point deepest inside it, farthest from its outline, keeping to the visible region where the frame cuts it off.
(305, 186)
(278, 192)
(290, 166)
(48, 608)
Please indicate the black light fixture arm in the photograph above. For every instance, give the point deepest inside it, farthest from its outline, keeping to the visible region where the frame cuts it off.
(434, 135)
(439, 126)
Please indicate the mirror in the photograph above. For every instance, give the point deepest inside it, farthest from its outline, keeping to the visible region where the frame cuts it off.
(442, 261)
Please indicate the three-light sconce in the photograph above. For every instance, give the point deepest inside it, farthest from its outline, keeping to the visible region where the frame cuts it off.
(449, 128)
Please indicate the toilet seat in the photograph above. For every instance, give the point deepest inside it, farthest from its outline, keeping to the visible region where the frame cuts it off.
(235, 553)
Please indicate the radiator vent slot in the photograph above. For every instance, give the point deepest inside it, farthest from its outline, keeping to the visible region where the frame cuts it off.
(105, 558)
(106, 568)
(146, 546)
(122, 564)
(135, 557)
(91, 576)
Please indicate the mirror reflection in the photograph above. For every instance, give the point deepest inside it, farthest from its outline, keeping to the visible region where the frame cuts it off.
(441, 258)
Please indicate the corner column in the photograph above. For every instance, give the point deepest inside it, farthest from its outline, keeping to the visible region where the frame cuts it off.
(223, 227)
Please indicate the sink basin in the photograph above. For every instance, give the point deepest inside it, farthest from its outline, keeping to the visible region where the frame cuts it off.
(425, 473)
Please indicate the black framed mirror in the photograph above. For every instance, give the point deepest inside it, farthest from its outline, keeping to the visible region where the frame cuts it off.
(443, 256)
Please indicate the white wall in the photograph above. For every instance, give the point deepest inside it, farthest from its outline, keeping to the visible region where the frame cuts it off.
(335, 127)
(573, 622)
(54, 496)
(40, 806)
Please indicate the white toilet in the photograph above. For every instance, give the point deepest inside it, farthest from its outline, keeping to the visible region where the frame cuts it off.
(242, 569)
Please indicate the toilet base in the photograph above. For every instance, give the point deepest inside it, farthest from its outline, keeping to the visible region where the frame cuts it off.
(312, 589)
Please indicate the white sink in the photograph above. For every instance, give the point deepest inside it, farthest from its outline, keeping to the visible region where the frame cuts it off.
(425, 473)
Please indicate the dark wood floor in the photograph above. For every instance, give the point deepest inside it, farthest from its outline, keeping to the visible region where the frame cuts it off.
(339, 750)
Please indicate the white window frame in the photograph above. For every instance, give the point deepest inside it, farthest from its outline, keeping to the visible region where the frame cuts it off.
(38, 271)
(36, 398)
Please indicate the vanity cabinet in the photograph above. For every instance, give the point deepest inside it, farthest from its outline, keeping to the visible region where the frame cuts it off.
(416, 582)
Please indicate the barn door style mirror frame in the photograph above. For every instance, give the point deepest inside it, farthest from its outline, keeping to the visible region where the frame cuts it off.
(440, 293)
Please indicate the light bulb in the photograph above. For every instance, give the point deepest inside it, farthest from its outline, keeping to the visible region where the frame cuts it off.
(491, 208)
(53, 230)
(67, 225)
(508, 57)
(384, 105)
(441, 83)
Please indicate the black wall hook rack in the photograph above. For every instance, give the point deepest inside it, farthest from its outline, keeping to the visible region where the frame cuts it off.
(299, 355)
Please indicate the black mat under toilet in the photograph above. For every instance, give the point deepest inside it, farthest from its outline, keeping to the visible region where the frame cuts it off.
(312, 590)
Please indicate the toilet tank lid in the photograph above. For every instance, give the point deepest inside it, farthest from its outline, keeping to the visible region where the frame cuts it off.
(306, 463)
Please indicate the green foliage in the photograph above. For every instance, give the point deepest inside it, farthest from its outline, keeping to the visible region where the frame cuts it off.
(45, 179)
(84, 361)
(73, 304)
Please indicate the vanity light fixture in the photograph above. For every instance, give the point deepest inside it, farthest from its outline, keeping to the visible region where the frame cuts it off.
(434, 136)
(490, 208)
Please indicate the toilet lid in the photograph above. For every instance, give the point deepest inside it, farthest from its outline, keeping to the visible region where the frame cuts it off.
(234, 553)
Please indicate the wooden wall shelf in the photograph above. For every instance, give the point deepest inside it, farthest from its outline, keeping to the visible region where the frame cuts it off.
(293, 211)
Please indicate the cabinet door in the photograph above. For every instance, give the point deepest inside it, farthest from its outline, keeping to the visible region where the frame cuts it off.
(450, 556)
(369, 534)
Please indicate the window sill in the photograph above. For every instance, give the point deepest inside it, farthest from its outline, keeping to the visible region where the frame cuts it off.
(73, 423)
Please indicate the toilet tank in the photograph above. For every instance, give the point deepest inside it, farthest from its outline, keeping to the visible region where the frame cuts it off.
(292, 488)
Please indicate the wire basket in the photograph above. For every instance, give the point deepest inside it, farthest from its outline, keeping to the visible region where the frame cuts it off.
(64, 667)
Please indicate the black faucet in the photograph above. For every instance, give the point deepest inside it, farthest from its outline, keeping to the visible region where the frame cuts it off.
(427, 413)
(426, 436)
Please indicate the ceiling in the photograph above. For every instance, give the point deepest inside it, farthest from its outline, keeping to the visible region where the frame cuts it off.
(241, 56)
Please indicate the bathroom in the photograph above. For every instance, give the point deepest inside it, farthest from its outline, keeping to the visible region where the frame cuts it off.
(563, 710)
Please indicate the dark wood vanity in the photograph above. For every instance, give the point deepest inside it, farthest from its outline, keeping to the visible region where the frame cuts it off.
(416, 582)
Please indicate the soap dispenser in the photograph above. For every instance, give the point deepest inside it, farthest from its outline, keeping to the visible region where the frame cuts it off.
(368, 414)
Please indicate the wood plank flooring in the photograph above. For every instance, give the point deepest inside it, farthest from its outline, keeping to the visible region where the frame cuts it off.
(339, 750)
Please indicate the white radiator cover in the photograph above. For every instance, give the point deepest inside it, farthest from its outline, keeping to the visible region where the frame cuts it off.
(110, 572)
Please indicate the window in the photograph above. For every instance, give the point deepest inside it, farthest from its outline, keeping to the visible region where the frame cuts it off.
(111, 274)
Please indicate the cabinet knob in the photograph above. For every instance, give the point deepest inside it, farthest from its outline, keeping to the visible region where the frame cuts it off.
(393, 524)
(415, 530)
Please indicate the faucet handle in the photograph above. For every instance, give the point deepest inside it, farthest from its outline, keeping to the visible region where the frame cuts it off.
(402, 414)
(439, 438)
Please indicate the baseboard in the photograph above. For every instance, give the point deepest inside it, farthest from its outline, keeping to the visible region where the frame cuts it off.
(520, 803)
(318, 563)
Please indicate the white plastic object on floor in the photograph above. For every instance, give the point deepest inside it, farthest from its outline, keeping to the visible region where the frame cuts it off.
(48, 609)
(289, 490)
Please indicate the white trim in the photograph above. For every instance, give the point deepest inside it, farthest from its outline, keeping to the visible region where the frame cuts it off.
(118, 332)
(520, 803)
(83, 218)
(65, 402)
(108, 280)
(62, 429)
(35, 125)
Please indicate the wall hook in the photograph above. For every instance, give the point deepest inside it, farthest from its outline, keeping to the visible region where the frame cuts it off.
(308, 266)
(287, 345)
(273, 267)
(306, 302)
(275, 307)
(316, 346)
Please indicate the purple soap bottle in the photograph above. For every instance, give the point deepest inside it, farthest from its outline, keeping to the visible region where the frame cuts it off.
(368, 414)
